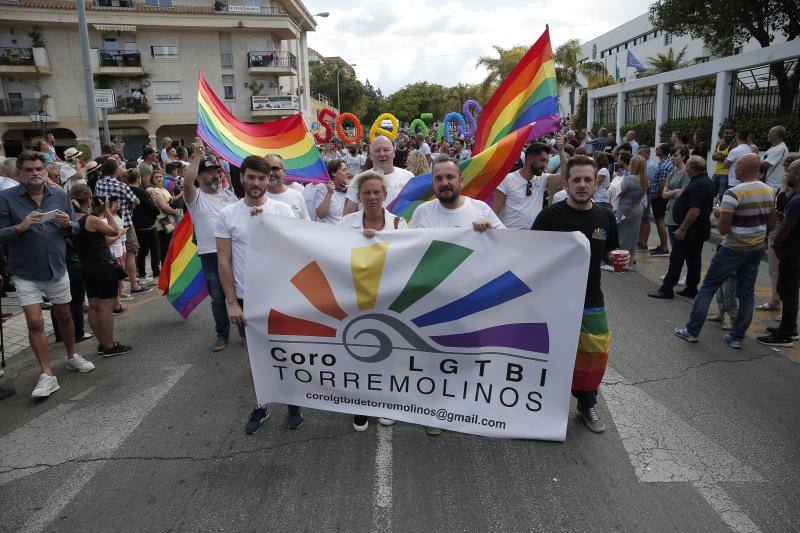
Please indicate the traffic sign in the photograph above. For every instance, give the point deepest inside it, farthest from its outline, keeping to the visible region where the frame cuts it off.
(104, 98)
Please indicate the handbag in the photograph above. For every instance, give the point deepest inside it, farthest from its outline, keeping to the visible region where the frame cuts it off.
(119, 271)
(168, 223)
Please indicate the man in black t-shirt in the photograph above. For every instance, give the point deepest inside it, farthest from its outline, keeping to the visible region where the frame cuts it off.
(579, 213)
(692, 214)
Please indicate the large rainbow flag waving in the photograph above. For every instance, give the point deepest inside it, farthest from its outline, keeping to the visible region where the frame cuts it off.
(528, 94)
(181, 279)
(234, 140)
(482, 173)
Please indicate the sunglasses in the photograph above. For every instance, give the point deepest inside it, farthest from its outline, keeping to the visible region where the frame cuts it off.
(529, 189)
(275, 169)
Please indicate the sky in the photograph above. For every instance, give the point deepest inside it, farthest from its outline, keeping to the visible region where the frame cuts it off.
(396, 43)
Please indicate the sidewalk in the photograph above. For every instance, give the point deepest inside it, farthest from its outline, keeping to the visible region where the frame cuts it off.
(15, 329)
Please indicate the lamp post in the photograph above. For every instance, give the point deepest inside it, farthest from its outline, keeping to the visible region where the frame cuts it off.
(338, 98)
(41, 119)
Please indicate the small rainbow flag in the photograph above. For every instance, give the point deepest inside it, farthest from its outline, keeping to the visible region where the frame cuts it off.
(528, 94)
(482, 173)
(234, 140)
(181, 279)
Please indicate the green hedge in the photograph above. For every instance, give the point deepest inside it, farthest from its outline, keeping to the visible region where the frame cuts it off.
(688, 126)
(645, 131)
(760, 126)
(609, 127)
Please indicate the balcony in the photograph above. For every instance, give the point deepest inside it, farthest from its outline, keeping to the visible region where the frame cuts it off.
(250, 10)
(116, 63)
(18, 110)
(24, 61)
(273, 106)
(277, 62)
(124, 4)
(129, 109)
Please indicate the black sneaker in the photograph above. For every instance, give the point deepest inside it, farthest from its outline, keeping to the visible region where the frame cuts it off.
(659, 252)
(115, 349)
(592, 419)
(778, 331)
(295, 418)
(141, 290)
(220, 344)
(776, 340)
(257, 419)
(360, 422)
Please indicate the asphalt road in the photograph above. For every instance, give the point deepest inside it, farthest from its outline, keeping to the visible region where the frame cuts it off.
(700, 438)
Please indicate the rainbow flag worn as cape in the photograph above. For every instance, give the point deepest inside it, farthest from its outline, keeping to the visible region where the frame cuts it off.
(234, 140)
(528, 94)
(482, 173)
(181, 279)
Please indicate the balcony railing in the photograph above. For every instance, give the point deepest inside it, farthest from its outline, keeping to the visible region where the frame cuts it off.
(250, 10)
(272, 58)
(226, 60)
(267, 103)
(16, 56)
(20, 107)
(127, 58)
(114, 3)
(129, 105)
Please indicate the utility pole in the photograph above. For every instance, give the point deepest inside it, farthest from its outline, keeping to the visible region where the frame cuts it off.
(88, 80)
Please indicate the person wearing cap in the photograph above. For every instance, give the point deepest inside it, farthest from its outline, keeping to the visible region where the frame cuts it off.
(205, 199)
(82, 176)
(72, 156)
(148, 164)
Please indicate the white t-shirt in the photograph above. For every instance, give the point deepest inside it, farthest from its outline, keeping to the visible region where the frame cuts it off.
(118, 246)
(425, 149)
(432, 214)
(337, 205)
(296, 186)
(66, 171)
(560, 196)
(294, 199)
(775, 156)
(521, 210)
(733, 156)
(354, 162)
(7, 183)
(232, 224)
(356, 221)
(396, 181)
(634, 147)
(204, 210)
(309, 193)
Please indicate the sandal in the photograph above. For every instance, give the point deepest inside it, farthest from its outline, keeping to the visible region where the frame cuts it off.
(767, 306)
(719, 317)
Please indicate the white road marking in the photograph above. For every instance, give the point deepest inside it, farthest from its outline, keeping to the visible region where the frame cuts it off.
(67, 433)
(382, 511)
(663, 448)
(80, 396)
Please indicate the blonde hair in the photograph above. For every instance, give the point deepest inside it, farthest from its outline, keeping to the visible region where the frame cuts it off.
(417, 163)
(638, 168)
(368, 175)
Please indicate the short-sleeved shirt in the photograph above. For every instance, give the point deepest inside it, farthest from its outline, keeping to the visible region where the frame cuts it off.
(204, 211)
(662, 171)
(112, 187)
(700, 193)
(395, 182)
(792, 213)
(432, 214)
(598, 225)
(520, 210)
(356, 221)
(678, 179)
(336, 206)
(354, 163)
(751, 204)
(232, 223)
(734, 156)
(775, 156)
(425, 149)
(293, 199)
(601, 192)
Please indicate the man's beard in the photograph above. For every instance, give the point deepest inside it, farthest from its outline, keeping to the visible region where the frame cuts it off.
(452, 199)
(255, 194)
(214, 185)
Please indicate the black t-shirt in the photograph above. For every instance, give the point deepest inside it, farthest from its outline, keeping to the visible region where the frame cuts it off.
(699, 193)
(598, 225)
(145, 214)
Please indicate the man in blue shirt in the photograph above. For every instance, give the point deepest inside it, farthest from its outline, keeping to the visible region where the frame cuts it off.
(35, 219)
(658, 204)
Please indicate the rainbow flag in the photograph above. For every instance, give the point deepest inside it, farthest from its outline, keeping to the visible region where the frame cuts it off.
(482, 173)
(528, 94)
(181, 279)
(234, 140)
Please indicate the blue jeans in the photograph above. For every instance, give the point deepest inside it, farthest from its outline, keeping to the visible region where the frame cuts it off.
(726, 262)
(218, 308)
(721, 183)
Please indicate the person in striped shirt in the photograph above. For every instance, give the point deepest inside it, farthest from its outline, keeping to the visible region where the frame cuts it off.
(746, 215)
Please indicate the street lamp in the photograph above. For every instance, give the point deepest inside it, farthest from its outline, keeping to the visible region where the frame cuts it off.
(42, 119)
(338, 98)
(324, 14)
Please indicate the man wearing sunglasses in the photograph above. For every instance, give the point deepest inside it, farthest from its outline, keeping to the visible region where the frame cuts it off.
(521, 195)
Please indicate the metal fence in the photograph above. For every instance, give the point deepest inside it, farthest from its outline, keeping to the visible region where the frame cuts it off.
(271, 58)
(692, 98)
(755, 92)
(16, 56)
(20, 106)
(226, 60)
(605, 110)
(640, 106)
(127, 58)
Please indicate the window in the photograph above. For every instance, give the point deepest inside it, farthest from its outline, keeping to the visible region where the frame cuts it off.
(225, 51)
(594, 52)
(227, 86)
(667, 38)
(158, 3)
(164, 47)
(167, 92)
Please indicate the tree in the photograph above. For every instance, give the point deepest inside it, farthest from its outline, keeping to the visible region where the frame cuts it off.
(569, 65)
(498, 68)
(412, 100)
(666, 62)
(323, 80)
(726, 24)
(375, 103)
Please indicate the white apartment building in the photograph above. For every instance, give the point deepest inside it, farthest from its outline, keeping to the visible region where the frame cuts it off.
(253, 53)
(639, 36)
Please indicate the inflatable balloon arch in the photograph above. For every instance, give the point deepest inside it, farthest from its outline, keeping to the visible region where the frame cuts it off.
(466, 125)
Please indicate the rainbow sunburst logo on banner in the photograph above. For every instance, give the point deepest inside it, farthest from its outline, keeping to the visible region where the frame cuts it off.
(440, 261)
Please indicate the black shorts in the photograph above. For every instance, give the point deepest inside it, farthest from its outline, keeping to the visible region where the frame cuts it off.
(100, 281)
(659, 207)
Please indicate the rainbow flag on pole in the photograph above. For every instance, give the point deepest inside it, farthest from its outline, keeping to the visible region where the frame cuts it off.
(482, 173)
(181, 279)
(528, 94)
(234, 140)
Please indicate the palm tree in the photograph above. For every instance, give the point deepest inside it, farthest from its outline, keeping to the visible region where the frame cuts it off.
(569, 66)
(498, 68)
(666, 62)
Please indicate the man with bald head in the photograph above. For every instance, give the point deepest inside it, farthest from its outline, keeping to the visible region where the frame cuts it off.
(745, 217)
(381, 152)
(772, 165)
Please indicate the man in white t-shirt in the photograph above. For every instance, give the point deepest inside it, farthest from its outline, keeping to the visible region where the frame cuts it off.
(422, 146)
(277, 189)
(630, 138)
(772, 165)
(232, 234)
(381, 152)
(742, 147)
(520, 196)
(353, 160)
(204, 204)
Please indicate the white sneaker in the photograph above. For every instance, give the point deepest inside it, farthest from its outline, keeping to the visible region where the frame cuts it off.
(79, 364)
(147, 280)
(386, 421)
(46, 386)
(682, 281)
(607, 268)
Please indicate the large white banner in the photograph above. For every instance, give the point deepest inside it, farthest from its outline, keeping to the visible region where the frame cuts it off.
(467, 331)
